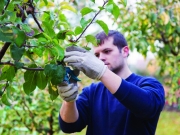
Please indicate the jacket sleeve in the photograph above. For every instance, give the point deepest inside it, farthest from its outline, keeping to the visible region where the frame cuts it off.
(145, 100)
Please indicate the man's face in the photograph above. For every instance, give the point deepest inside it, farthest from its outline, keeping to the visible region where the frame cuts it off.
(111, 56)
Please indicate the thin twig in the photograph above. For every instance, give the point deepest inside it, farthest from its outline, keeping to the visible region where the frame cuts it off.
(30, 112)
(34, 17)
(11, 64)
(90, 22)
(5, 87)
(22, 119)
(6, 6)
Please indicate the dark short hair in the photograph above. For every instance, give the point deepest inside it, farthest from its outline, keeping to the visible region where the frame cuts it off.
(118, 38)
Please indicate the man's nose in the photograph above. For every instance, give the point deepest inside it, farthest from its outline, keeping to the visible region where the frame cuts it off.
(102, 56)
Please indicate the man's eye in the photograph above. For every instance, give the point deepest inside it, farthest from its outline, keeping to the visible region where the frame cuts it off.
(107, 51)
(97, 55)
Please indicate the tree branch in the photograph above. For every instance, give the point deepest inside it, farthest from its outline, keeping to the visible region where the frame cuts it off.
(4, 49)
(34, 17)
(22, 119)
(50, 120)
(167, 42)
(30, 112)
(26, 68)
(91, 21)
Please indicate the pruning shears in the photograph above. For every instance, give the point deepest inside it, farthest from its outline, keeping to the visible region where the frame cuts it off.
(71, 76)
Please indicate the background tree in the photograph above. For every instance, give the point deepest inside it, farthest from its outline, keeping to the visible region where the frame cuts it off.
(154, 26)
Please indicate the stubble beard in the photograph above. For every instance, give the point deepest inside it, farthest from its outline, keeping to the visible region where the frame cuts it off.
(117, 70)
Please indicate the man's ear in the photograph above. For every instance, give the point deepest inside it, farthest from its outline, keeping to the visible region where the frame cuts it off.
(125, 51)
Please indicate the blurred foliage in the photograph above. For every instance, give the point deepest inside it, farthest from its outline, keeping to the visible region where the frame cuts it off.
(154, 26)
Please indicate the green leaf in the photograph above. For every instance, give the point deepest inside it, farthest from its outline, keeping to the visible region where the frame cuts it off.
(78, 30)
(153, 17)
(109, 8)
(124, 2)
(86, 10)
(53, 92)
(113, 9)
(10, 73)
(84, 23)
(61, 35)
(91, 39)
(49, 70)
(18, 65)
(93, 1)
(2, 3)
(26, 27)
(19, 36)
(5, 100)
(16, 52)
(3, 73)
(45, 1)
(56, 73)
(30, 78)
(62, 17)
(48, 28)
(65, 5)
(29, 73)
(116, 11)
(10, 90)
(178, 29)
(42, 80)
(39, 51)
(46, 36)
(6, 34)
(29, 87)
(60, 52)
(103, 26)
(59, 75)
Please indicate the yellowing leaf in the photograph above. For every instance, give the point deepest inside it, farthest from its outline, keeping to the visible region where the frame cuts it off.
(25, 1)
(164, 17)
(49, 4)
(53, 87)
(65, 5)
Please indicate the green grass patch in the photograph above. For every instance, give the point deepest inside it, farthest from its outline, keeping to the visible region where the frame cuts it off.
(169, 123)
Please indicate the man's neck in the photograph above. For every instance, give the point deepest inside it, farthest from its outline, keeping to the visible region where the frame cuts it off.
(125, 73)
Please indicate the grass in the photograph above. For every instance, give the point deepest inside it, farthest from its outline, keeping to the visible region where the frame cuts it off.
(169, 124)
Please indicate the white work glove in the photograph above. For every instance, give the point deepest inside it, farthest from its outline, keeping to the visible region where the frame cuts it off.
(85, 61)
(68, 89)
(68, 92)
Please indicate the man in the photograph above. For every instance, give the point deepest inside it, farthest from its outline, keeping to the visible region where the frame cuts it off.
(122, 103)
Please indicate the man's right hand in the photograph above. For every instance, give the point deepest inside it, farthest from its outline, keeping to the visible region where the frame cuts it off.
(68, 92)
(85, 61)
